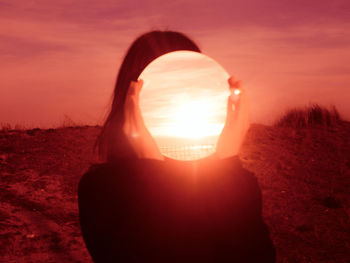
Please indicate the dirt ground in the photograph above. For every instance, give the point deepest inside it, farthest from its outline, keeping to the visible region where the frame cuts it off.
(304, 176)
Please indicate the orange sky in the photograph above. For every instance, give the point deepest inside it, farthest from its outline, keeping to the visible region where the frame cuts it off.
(61, 57)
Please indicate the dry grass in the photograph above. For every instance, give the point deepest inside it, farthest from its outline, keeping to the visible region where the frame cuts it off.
(311, 116)
(65, 122)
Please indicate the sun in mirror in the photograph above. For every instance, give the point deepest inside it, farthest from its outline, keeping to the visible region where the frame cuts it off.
(183, 103)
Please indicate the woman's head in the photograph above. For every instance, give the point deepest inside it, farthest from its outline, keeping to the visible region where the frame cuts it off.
(112, 142)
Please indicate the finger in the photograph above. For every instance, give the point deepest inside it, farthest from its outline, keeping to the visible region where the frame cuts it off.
(127, 120)
(232, 113)
(238, 84)
(138, 87)
(140, 83)
(235, 85)
(130, 120)
(231, 81)
(233, 104)
(135, 88)
(132, 87)
(129, 105)
(229, 106)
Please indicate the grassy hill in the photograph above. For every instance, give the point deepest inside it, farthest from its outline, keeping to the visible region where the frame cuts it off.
(304, 174)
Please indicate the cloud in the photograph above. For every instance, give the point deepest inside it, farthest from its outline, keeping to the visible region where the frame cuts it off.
(193, 14)
(324, 71)
(22, 47)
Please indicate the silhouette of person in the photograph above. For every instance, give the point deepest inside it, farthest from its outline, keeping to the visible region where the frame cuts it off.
(138, 206)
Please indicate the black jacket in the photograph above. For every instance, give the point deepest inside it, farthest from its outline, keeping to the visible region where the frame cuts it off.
(138, 210)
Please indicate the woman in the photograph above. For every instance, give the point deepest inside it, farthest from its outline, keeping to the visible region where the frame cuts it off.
(139, 206)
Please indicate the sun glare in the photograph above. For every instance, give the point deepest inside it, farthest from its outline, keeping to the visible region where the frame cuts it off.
(191, 119)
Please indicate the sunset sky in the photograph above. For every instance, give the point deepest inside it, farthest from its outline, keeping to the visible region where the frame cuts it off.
(61, 57)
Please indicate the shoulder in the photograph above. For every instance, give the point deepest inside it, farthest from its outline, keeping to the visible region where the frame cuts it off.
(230, 177)
(90, 181)
(231, 167)
(102, 171)
(94, 173)
(97, 181)
(121, 172)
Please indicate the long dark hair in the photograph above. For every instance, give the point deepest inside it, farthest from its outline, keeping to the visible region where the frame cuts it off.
(112, 143)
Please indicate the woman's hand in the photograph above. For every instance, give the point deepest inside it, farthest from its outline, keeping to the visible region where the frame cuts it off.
(237, 121)
(134, 128)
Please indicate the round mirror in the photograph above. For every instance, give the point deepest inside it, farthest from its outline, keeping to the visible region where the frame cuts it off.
(183, 103)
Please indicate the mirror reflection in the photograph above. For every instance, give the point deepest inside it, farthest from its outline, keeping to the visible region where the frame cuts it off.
(183, 103)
